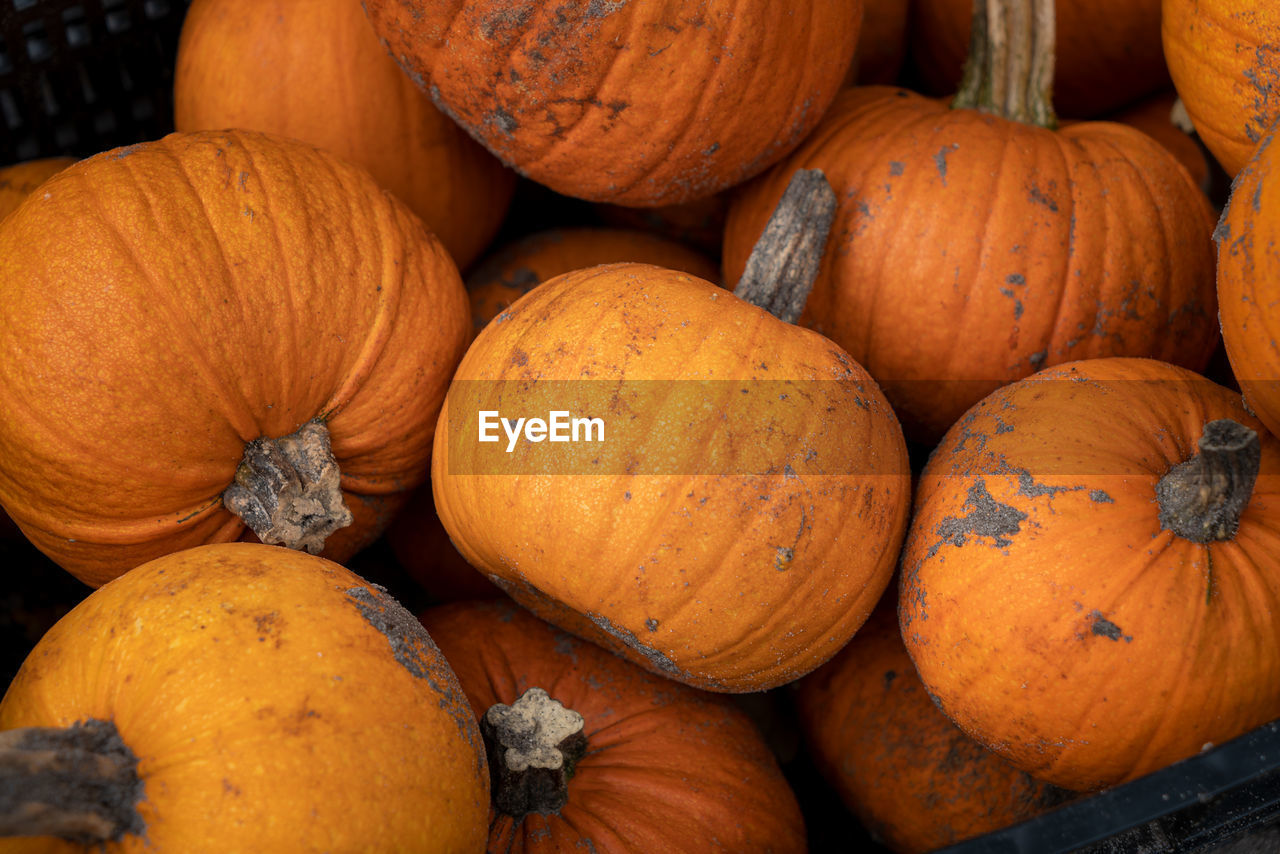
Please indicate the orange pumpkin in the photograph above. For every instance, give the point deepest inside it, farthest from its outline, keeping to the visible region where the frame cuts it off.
(971, 250)
(1224, 56)
(223, 695)
(16, 183)
(1087, 579)
(699, 223)
(172, 313)
(422, 548)
(901, 766)
(1154, 117)
(514, 270)
(646, 765)
(1248, 270)
(1108, 52)
(632, 103)
(882, 43)
(21, 179)
(742, 511)
(314, 70)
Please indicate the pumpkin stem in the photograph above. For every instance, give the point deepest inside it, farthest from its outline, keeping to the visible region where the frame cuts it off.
(1010, 68)
(288, 490)
(533, 746)
(1202, 498)
(784, 263)
(79, 783)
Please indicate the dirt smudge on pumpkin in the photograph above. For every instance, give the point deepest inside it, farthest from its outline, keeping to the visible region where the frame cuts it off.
(417, 653)
(653, 656)
(1103, 627)
(1101, 497)
(986, 518)
(940, 160)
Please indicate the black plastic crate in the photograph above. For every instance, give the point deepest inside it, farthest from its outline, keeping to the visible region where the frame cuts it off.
(77, 78)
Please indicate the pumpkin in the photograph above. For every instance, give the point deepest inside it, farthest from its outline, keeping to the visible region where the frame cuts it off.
(1087, 578)
(1224, 58)
(217, 699)
(622, 760)
(1108, 52)
(16, 183)
(1154, 116)
(314, 70)
(900, 765)
(422, 548)
(737, 510)
(1248, 268)
(21, 179)
(638, 104)
(214, 336)
(975, 245)
(882, 42)
(699, 223)
(514, 270)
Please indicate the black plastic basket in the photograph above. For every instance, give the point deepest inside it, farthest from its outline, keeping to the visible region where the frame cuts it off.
(82, 76)
(77, 78)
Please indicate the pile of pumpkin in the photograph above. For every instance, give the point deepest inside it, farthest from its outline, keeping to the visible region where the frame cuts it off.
(938, 463)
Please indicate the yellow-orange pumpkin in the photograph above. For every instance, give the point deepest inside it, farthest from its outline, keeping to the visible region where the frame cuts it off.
(257, 699)
(901, 766)
(314, 70)
(742, 513)
(640, 104)
(1090, 579)
(165, 305)
(1224, 56)
(656, 767)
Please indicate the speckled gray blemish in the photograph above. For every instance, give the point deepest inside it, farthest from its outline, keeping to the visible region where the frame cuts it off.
(653, 656)
(1107, 629)
(986, 518)
(940, 160)
(1101, 497)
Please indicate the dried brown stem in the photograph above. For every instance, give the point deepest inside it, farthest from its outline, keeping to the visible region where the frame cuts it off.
(533, 746)
(1202, 499)
(79, 783)
(784, 263)
(1010, 68)
(288, 490)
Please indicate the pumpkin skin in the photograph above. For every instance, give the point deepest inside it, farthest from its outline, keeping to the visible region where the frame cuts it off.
(912, 778)
(882, 43)
(240, 676)
(1098, 67)
(516, 269)
(422, 548)
(1224, 57)
(314, 70)
(699, 223)
(1048, 612)
(21, 179)
(16, 183)
(1248, 269)
(217, 287)
(638, 104)
(746, 579)
(1003, 248)
(667, 768)
(1152, 116)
